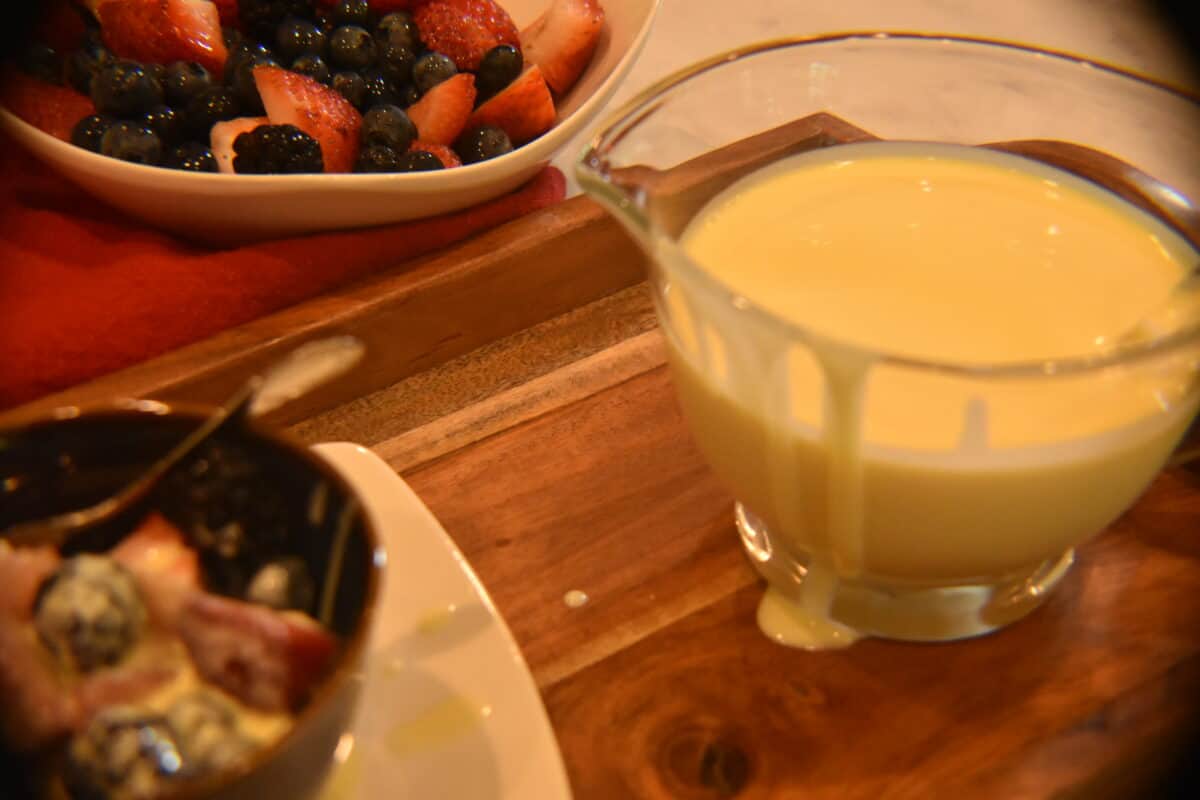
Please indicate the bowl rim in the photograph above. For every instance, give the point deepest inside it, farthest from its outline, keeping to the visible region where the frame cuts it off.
(591, 167)
(351, 650)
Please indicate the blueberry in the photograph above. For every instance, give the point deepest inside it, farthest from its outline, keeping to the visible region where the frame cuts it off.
(41, 61)
(497, 69)
(298, 37)
(408, 95)
(378, 88)
(83, 64)
(431, 69)
(260, 18)
(397, 62)
(125, 89)
(482, 143)
(165, 121)
(377, 158)
(352, 12)
(88, 132)
(184, 80)
(246, 51)
(399, 28)
(214, 104)
(419, 161)
(312, 66)
(351, 47)
(243, 87)
(387, 124)
(156, 71)
(192, 157)
(123, 752)
(132, 141)
(352, 87)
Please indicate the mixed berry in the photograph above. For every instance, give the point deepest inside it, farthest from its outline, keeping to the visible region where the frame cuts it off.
(287, 86)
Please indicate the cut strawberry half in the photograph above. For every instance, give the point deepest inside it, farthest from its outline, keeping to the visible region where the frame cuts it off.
(49, 108)
(166, 569)
(162, 31)
(562, 41)
(443, 112)
(316, 109)
(524, 109)
(265, 658)
(465, 29)
(22, 570)
(444, 154)
(221, 138)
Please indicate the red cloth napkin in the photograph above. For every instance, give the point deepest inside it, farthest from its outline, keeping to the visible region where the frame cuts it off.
(85, 290)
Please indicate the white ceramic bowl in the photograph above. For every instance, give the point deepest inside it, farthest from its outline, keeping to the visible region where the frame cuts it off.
(228, 208)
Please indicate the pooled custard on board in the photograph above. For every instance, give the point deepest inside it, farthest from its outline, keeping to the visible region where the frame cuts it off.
(879, 473)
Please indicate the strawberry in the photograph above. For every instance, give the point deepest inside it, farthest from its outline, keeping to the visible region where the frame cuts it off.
(45, 106)
(316, 109)
(267, 659)
(561, 41)
(465, 29)
(524, 108)
(444, 154)
(165, 568)
(162, 31)
(222, 135)
(22, 570)
(442, 113)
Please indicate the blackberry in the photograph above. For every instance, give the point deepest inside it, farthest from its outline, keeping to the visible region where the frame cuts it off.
(377, 158)
(497, 69)
(352, 12)
(398, 28)
(214, 104)
(89, 613)
(351, 47)
(276, 149)
(184, 80)
(314, 67)
(125, 89)
(298, 37)
(482, 143)
(419, 161)
(88, 132)
(131, 141)
(191, 157)
(260, 18)
(82, 65)
(387, 124)
(352, 87)
(165, 121)
(123, 752)
(431, 69)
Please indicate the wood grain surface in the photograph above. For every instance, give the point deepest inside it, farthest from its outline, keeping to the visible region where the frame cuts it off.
(548, 442)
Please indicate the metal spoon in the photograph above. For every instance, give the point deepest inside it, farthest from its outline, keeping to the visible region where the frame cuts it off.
(303, 369)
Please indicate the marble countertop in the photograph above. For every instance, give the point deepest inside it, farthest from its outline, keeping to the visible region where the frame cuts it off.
(1126, 33)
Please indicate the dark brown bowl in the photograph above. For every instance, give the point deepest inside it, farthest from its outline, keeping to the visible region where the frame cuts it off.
(72, 459)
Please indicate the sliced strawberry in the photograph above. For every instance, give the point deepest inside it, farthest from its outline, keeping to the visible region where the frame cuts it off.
(265, 658)
(166, 569)
(443, 112)
(524, 108)
(60, 25)
(316, 109)
(35, 710)
(162, 31)
(221, 137)
(22, 571)
(444, 154)
(465, 29)
(50, 108)
(562, 41)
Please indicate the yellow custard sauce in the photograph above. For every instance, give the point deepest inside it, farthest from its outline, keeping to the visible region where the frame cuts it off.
(903, 475)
